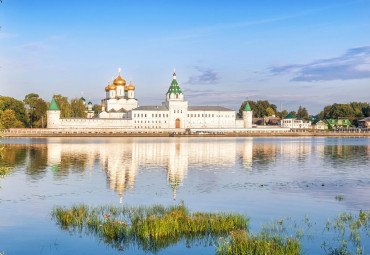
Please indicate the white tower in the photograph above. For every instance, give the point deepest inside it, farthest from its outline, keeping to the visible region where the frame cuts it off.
(53, 115)
(176, 105)
(247, 116)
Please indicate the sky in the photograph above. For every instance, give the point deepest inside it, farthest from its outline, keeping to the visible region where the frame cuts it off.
(310, 53)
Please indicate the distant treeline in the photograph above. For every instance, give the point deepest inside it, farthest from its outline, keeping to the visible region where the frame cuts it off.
(353, 111)
(31, 112)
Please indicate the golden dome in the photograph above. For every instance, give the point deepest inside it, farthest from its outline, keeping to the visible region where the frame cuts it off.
(130, 87)
(112, 87)
(107, 88)
(119, 81)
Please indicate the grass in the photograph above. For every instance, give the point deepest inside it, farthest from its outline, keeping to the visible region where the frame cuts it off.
(241, 243)
(349, 229)
(151, 228)
(157, 227)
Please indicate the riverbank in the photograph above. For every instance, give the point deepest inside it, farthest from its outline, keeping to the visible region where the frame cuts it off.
(253, 132)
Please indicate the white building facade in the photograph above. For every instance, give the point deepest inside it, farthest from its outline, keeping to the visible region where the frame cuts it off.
(295, 123)
(120, 110)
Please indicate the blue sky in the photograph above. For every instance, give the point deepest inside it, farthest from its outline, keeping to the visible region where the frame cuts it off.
(310, 53)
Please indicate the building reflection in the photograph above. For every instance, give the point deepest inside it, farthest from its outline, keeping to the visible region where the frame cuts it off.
(121, 159)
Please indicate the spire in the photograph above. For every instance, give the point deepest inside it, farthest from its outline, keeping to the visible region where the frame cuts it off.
(174, 88)
(247, 107)
(174, 73)
(53, 105)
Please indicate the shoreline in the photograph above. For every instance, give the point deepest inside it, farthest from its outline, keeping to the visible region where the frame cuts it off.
(41, 133)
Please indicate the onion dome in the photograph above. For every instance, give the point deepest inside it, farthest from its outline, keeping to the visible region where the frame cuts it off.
(130, 86)
(102, 104)
(107, 87)
(119, 81)
(112, 87)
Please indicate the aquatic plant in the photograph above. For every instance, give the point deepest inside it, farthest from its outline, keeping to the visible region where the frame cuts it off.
(339, 197)
(242, 243)
(152, 228)
(349, 229)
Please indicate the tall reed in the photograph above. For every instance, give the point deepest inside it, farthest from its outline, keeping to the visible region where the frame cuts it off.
(152, 228)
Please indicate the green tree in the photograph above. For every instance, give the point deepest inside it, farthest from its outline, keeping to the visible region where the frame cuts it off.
(40, 113)
(78, 109)
(270, 111)
(324, 113)
(293, 113)
(9, 120)
(302, 113)
(282, 114)
(30, 102)
(366, 111)
(36, 109)
(353, 111)
(17, 106)
(64, 106)
(97, 108)
(259, 108)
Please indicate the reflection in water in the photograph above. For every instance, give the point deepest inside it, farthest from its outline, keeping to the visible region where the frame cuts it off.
(121, 159)
(265, 178)
(12, 154)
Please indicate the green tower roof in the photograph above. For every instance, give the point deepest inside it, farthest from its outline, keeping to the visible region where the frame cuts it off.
(247, 107)
(53, 105)
(174, 88)
(289, 116)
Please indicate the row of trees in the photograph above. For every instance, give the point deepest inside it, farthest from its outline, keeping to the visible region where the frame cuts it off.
(31, 112)
(263, 108)
(353, 111)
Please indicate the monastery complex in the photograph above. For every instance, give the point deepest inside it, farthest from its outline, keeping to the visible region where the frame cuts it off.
(121, 110)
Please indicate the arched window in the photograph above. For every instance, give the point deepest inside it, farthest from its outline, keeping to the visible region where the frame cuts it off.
(177, 95)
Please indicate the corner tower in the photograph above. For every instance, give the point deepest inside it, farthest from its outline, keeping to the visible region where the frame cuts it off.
(247, 115)
(53, 115)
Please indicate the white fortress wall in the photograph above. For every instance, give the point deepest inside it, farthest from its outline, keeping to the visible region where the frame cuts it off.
(82, 123)
(239, 123)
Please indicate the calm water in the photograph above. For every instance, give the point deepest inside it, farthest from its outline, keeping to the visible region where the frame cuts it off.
(265, 178)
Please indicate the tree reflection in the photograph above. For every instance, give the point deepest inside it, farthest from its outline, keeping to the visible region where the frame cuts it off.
(12, 155)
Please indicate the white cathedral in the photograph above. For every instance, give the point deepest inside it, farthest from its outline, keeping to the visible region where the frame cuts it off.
(121, 110)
